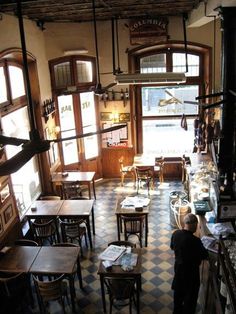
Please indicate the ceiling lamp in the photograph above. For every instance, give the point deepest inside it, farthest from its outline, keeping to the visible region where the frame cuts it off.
(150, 78)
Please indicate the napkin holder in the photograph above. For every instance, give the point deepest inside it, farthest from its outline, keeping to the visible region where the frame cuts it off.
(139, 209)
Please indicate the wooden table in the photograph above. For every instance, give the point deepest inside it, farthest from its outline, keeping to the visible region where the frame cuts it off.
(56, 261)
(130, 211)
(82, 177)
(117, 271)
(18, 259)
(44, 209)
(79, 209)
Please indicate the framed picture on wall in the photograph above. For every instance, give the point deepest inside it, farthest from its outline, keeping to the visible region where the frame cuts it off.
(123, 133)
(4, 192)
(124, 117)
(8, 213)
(105, 116)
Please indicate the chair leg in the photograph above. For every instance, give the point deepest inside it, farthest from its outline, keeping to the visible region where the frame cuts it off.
(122, 178)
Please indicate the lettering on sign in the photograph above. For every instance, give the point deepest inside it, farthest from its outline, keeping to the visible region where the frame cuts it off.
(148, 31)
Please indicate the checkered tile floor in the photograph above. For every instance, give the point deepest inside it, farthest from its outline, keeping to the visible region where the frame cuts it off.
(157, 274)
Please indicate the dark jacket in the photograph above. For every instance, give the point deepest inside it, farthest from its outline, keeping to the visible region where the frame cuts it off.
(189, 252)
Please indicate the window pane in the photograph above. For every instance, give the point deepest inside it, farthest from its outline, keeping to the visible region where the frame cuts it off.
(84, 71)
(90, 143)
(66, 112)
(70, 151)
(67, 124)
(163, 137)
(62, 74)
(16, 81)
(3, 87)
(179, 64)
(153, 64)
(89, 124)
(170, 101)
(26, 183)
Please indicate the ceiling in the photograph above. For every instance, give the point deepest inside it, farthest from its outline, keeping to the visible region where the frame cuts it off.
(81, 10)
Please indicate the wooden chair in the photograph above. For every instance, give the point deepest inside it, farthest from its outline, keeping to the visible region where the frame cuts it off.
(77, 269)
(50, 197)
(123, 243)
(72, 230)
(71, 190)
(144, 175)
(26, 242)
(14, 292)
(124, 170)
(133, 225)
(45, 230)
(121, 292)
(158, 168)
(53, 290)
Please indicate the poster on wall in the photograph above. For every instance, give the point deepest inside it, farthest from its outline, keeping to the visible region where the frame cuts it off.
(114, 138)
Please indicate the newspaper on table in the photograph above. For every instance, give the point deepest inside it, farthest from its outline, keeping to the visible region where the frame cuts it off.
(135, 201)
(127, 259)
(112, 253)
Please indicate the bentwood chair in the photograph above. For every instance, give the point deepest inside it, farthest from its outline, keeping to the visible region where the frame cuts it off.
(71, 190)
(50, 197)
(144, 175)
(52, 290)
(45, 230)
(121, 292)
(74, 230)
(26, 242)
(14, 292)
(77, 269)
(133, 226)
(158, 168)
(125, 170)
(123, 243)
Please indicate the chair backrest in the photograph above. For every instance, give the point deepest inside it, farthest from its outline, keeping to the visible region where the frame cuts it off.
(121, 162)
(50, 197)
(144, 173)
(13, 285)
(71, 189)
(71, 229)
(120, 289)
(159, 161)
(26, 242)
(133, 225)
(49, 290)
(123, 243)
(44, 230)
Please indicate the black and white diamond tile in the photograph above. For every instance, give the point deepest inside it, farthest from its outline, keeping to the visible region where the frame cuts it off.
(157, 267)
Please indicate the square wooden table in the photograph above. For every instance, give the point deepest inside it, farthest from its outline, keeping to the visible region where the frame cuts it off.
(130, 211)
(56, 261)
(18, 259)
(79, 209)
(83, 177)
(117, 271)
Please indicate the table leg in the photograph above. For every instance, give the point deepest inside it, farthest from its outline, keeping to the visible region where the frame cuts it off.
(103, 294)
(137, 296)
(72, 293)
(89, 190)
(146, 230)
(118, 226)
(89, 232)
(94, 193)
(93, 221)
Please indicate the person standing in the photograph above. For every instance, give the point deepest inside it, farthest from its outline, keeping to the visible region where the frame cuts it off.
(189, 253)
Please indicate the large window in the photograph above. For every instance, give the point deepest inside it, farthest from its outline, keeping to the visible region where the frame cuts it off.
(165, 114)
(15, 122)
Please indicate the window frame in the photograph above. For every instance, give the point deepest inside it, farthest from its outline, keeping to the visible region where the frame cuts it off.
(134, 55)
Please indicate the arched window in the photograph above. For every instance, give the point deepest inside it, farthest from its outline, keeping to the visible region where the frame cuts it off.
(165, 113)
(15, 122)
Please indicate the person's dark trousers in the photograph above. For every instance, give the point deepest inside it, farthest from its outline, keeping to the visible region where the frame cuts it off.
(185, 302)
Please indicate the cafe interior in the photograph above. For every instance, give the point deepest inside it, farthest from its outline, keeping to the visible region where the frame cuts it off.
(117, 118)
